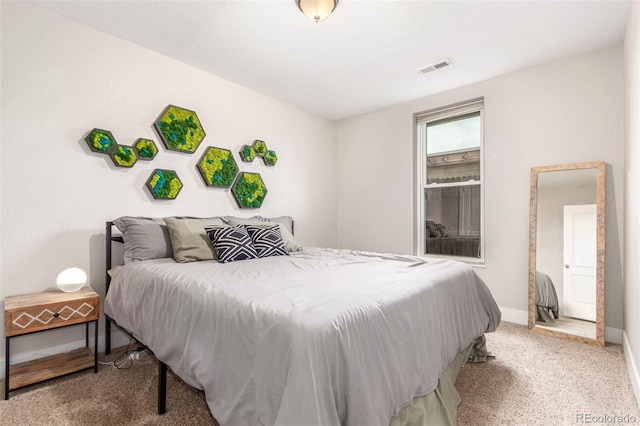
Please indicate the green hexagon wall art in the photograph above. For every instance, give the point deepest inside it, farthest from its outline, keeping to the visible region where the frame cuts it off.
(146, 149)
(270, 158)
(101, 141)
(217, 167)
(179, 129)
(124, 156)
(247, 153)
(259, 147)
(249, 190)
(164, 184)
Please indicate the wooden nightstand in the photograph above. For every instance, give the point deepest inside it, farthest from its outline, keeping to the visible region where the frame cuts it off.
(33, 313)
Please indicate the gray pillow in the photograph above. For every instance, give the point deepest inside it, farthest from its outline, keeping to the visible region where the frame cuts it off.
(144, 238)
(289, 242)
(284, 220)
(189, 240)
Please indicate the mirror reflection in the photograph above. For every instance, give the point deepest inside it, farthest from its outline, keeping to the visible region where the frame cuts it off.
(565, 270)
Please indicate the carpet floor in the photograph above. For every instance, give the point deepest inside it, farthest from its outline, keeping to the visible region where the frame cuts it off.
(534, 380)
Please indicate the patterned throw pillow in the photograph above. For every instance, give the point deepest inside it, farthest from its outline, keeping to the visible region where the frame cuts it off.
(431, 229)
(267, 240)
(231, 243)
(442, 230)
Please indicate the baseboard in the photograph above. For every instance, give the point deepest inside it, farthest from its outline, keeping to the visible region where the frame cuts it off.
(611, 335)
(515, 315)
(632, 367)
(118, 338)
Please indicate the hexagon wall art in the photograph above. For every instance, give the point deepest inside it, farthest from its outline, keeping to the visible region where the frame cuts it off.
(217, 167)
(101, 141)
(123, 156)
(247, 153)
(260, 147)
(146, 149)
(179, 129)
(270, 158)
(249, 190)
(164, 184)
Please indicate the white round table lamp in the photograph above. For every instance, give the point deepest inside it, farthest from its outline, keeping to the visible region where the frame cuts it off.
(72, 279)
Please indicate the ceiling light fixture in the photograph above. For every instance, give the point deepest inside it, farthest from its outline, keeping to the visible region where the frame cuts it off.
(317, 10)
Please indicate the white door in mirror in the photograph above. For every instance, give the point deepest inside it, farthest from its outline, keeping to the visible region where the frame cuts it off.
(580, 262)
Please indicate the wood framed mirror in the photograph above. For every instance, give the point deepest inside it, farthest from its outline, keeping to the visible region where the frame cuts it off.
(567, 251)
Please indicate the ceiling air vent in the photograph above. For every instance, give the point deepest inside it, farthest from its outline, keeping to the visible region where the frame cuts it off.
(440, 64)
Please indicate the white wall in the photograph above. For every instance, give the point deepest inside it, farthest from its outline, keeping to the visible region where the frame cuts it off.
(567, 111)
(61, 79)
(632, 197)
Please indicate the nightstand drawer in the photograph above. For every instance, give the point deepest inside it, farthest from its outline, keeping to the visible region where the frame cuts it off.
(26, 314)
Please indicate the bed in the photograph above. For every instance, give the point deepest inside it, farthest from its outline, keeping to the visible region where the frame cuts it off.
(547, 309)
(315, 337)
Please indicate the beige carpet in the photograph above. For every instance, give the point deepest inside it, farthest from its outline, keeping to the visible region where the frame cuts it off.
(110, 397)
(534, 380)
(542, 380)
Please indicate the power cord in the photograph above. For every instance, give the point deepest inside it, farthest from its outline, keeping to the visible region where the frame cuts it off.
(126, 358)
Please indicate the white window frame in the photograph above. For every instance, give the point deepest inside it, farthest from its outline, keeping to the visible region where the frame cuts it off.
(420, 149)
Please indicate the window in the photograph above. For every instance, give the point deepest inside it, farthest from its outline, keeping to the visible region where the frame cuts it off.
(449, 192)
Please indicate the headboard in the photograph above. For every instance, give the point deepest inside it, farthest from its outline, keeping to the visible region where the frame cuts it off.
(110, 239)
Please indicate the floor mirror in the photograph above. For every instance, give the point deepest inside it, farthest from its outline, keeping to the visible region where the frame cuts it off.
(567, 251)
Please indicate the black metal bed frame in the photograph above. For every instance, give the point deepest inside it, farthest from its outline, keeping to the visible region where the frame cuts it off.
(162, 369)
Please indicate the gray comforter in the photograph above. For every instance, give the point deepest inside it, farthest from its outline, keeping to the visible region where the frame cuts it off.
(321, 337)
